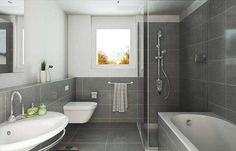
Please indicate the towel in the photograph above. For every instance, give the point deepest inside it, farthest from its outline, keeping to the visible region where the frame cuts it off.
(120, 103)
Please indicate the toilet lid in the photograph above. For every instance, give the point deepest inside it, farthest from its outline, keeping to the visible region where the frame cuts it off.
(80, 106)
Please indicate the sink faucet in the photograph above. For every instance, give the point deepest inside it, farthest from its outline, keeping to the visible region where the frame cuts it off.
(12, 117)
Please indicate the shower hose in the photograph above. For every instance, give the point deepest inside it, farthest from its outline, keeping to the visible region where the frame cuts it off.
(167, 80)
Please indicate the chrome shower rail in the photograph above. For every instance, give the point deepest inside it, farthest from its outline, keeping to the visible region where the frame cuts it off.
(160, 68)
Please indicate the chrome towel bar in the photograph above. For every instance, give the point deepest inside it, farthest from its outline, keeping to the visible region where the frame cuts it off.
(109, 82)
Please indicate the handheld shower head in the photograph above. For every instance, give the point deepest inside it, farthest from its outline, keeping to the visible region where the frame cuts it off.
(159, 34)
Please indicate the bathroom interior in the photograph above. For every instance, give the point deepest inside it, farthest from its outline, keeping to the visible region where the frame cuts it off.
(117, 75)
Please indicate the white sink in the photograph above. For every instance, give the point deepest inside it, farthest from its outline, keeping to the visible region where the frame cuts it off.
(25, 134)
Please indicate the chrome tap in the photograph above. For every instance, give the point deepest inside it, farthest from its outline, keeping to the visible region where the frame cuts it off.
(12, 117)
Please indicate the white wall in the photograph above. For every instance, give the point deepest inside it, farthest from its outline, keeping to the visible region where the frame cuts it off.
(45, 38)
(81, 53)
(79, 45)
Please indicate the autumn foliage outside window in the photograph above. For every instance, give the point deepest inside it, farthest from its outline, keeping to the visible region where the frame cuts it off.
(113, 46)
(103, 59)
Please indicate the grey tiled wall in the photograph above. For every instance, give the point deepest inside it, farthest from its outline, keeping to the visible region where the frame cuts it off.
(193, 76)
(170, 43)
(104, 112)
(210, 86)
(53, 94)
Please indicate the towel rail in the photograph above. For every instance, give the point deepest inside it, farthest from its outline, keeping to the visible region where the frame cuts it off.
(109, 82)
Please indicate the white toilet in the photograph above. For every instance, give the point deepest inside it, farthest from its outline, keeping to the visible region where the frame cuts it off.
(79, 112)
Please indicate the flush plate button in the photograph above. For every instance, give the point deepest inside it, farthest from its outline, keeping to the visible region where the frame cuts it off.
(67, 87)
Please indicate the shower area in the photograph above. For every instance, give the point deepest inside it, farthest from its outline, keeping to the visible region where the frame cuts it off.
(161, 76)
(161, 46)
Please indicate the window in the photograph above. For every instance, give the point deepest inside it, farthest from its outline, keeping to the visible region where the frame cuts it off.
(19, 50)
(114, 42)
(113, 46)
(23, 46)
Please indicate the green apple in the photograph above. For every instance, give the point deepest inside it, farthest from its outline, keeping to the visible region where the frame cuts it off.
(31, 111)
(42, 106)
(35, 109)
(42, 111)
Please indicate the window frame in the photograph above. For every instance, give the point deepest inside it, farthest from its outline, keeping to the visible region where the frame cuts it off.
(115, 23)
(19, 58)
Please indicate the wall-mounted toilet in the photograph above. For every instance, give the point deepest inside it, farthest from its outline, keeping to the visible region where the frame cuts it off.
(79, 112)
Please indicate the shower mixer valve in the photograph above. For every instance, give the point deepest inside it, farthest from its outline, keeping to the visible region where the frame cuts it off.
(159, 85)
(161, 56)
(163, 52)
(158, 57)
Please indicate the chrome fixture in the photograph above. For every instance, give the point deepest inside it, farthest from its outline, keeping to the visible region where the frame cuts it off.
(200, 58)
(120, 82)
(188, 122)
(94, 95)
(12, 117)
(160, 67)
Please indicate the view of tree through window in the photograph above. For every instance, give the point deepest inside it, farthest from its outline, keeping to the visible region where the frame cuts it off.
(113, 46)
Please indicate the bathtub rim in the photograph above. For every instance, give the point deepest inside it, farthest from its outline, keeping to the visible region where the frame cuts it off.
(167, 118)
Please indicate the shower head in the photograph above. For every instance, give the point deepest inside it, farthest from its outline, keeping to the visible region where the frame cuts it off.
(159, 34)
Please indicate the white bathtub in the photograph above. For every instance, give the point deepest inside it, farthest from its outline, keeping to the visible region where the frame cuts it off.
(201, 131)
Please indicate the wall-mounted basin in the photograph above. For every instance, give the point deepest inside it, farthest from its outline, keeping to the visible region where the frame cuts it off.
(25, 134)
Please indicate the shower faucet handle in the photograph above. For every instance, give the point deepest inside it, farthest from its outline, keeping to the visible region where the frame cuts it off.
(158, 46)
(163, 51)
(159, 85)
(200, 58)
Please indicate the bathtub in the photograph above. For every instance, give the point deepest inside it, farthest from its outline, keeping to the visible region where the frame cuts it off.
(195, 132)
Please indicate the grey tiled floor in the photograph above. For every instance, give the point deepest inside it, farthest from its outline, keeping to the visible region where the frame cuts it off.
(153, 136)
(102, 137)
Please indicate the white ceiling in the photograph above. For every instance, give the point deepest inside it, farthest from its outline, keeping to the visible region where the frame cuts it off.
(124, 7)
(101, 7)
(16, 7)
(106, 7)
